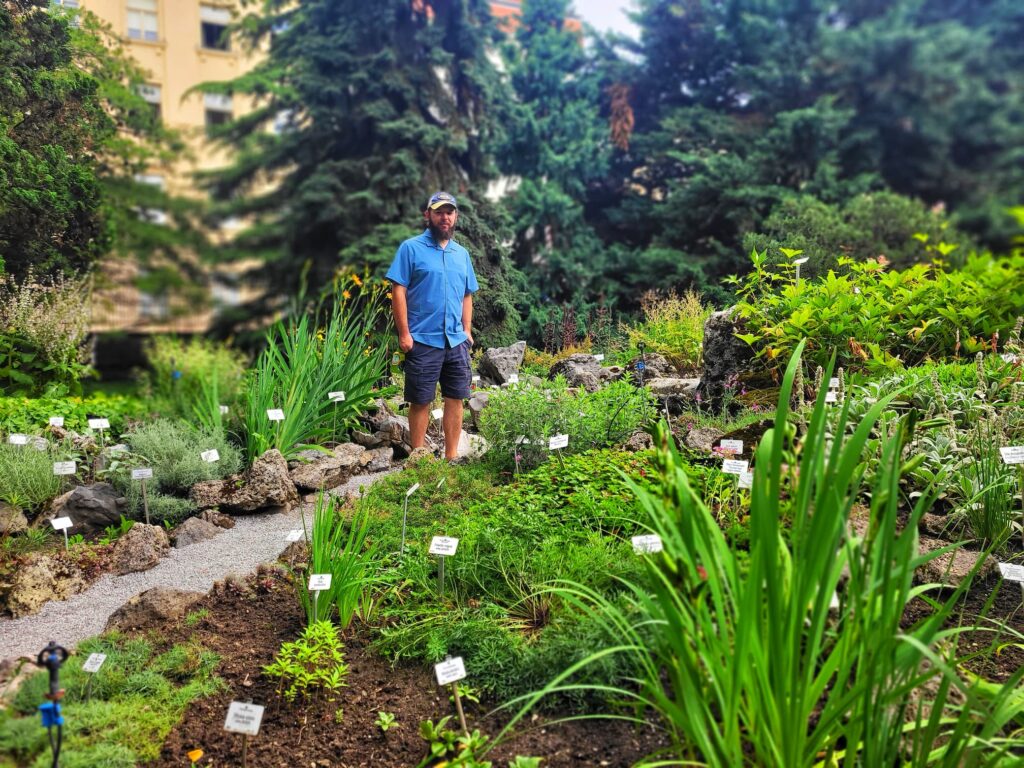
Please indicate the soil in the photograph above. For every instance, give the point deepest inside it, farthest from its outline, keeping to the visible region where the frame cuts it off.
(246, 627)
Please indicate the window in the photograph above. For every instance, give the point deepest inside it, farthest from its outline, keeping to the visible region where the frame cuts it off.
(214, 27)
(219, 109)
(142, 20)
(71, 6)
(152, 95)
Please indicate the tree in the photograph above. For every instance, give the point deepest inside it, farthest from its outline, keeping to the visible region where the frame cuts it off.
(377, 106)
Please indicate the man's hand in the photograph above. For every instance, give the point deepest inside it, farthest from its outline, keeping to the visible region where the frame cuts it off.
(405, 342)
(469, 338)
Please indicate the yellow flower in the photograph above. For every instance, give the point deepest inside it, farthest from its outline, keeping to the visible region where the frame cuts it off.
(356, 280)
(389, 295)
(194, 755)
(346, 295)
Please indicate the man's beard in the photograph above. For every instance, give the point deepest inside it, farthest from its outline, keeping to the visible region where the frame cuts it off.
(438, 235)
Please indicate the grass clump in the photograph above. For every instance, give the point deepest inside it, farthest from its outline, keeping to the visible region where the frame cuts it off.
(673, 326)
(173, 449)
(26, 476)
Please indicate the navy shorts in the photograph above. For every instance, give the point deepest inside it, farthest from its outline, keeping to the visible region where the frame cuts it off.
(425, 366)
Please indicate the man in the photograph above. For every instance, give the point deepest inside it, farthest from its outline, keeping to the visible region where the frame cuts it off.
(432, 299)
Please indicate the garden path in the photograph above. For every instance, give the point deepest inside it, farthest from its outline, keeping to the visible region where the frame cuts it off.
(255, 539)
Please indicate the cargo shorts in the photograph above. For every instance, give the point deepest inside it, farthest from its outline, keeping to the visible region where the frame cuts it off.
(425, 366)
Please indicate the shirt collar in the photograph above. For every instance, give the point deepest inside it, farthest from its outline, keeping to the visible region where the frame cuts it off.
(429, 240)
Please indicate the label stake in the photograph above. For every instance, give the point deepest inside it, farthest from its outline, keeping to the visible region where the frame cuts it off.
(405, 513)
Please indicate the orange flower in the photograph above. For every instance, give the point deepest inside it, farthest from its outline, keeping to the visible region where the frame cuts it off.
(357, 280)
(346, 295)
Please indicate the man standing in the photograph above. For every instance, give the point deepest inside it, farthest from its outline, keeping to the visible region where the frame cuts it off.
(432, 300)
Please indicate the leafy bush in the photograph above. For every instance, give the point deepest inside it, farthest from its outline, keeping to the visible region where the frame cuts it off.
(313, 663)
(673, 326)
(31, 415)
(173, 448)
(181, 368)
(26, 476)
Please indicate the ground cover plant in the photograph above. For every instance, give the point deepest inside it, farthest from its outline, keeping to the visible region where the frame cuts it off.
(30, 415)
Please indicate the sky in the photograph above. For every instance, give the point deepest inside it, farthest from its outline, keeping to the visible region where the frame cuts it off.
(606, 15)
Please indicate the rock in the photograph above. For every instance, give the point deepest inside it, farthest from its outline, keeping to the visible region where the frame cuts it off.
(92, 508)
(579, 371)
(933, 525)
(216, 518)
(328, 470)
(304, 457)
(365, 439)
(666, 386)
(725, 357)
(638, 441)
(377, 459)
(139, 549)
(613, 373)
(656, 366)
(477, 403)
(703, 438)
(12, 520)
(194, 530)
(498, 363)
(951, 568)
(43, 579)
(265, 485)
(471, 446)
(419, 453)
(389, 428)
(154, 606)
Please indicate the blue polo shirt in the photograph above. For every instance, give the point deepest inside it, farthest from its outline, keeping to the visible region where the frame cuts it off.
(436, 280)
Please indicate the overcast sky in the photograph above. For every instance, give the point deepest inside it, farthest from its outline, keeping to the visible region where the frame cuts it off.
(606, 15)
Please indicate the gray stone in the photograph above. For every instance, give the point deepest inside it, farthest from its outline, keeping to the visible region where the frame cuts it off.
(376, 459)
(194, 530)
(214, 517)
(12, 520)
(702, 438)
(367, 440)
(725, 357)
(44, 578)
(92, 508)
(613, 372)
(639, 441)
(139, 550)
(497, 364)
(656, 366)
(951, 568)
(477, 403)
(265, 485)
(579, 371)
(154, 606)
(665, 387)
(389, 428)
(328, 470)
(418, 454)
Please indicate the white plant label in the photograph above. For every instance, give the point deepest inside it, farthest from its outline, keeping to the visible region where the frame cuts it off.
(734, 466)
(99, 423)
(40, 444)
(557, 441)
(599, 358)
(647, 544)
(275, 414)
(476, 379)
(1012, 571)
(94, 662)
(513, 379)
(244, 718)
(319, 582)
(522, 440)
(61, 523)
(450, 671)
(746, 479)
(444, 545)
(412, 489)
(736, 446)
(56, 421)
(833, 383)
(831, 396)
(804, 260)
(294, 535)
(17, 439)
(144, 473)
(210, 456)
(64, 468)
(1012, 454)
(437, 413)
(336, 397)
(224, 410)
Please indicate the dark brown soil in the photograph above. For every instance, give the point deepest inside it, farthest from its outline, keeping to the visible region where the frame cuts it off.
(247, 627)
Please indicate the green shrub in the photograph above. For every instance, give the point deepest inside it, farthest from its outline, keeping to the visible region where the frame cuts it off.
(173, 448)
(26, 476)
(312, 664)
(31, 415)
(181, 367)
(673, 326)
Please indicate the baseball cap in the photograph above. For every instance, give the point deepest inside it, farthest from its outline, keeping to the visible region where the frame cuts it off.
(442, 198)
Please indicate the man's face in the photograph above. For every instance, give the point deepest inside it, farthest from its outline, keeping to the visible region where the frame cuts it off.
(442, 221)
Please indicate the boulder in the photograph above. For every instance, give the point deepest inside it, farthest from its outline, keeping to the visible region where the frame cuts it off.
(579, 371)
(666, 386)
(419, 453)
(656, 366)
(497, 364)
(367, 440)
(376, 459)
(194, 530)
(139, 549)
(951, 568)
(12, 520)
(471, 446)
(702, 438)
(265, 485)
(214, 517)
(477, 403)
(152, 607)
(42, 579)
(328, 470)
(639, 441)
(388, 428)
(725, 357)
(92, 508)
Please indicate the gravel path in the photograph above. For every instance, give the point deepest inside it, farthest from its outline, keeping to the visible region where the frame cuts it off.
(255, 539)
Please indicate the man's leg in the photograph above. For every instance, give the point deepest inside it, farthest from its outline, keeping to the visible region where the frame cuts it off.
(419, 418)
(422, 371)
(452, 426)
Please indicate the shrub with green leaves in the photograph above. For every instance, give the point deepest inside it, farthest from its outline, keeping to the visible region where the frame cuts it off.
(672, 326)
(313, 664)
(173, 448)
(31, 415)
(26, 476)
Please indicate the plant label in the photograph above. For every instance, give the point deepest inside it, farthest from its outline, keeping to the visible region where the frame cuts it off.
(513, 379)
(336, 397)
(831, 396)
(119, 448)
(444, 545)
(210, 456)
(1012, 572)
(736, 446)
(224, 410)
(94, 662)
(641, 366)
(734, 466)
(833, 383)
(17, 439)
(56, 421)
(746, 479)
(557, 441)
(412, 489)
(143, 473)
(856, 289)
(437, 413)
(450, 671)
(61, 523)
(244, 718)
(441, 481)
(1012, 454)
(803, 260)
(319, 582)
(40, 444)
(522, 440)
(599, 358)
(647, 544)
(275, 414)
(476, 379)
(294, 535)
(64, 468)
(99, 423)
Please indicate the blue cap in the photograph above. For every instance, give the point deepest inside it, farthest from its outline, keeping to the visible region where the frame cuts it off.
(442, 198)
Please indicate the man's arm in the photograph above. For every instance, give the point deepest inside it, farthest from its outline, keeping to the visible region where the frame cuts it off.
(467, 316)
(400, 309)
